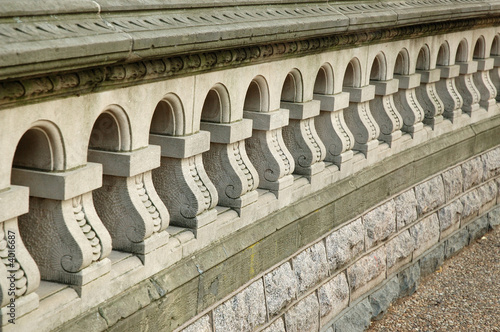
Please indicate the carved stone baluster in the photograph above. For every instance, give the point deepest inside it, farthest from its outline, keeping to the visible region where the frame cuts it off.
(448, 93)
(495, 75)
(62, 230)
(333, 131)
(181, 180)
(228, 166)
(360, 121)
(428, 97)
(485, 86)
(19, 274)
(267, 151)
(467, 88)
(128, 203)
(408, 105)
(384, 110)
(301, 138)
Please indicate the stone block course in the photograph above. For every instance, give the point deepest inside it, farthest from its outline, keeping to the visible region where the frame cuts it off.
(357, 319)
(430, 195)
(471, 203)
(494, 217)
(310, 267)
(399, 250)
(453, 183)
(478, 228)
(201, 325)
(333, 297)
(379, 223)
(303, 316)
(449, 217)
(456, 242)
(425, 234)
(472, 172)
(406, 208)
(277, 326)
(432, 261)
(408, 280)
(281, 288)
(367, 271)
(343, 245)
(382, 298)
(487, 195)
(491, 161)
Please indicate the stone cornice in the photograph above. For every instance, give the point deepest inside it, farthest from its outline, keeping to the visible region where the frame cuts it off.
(359, 24)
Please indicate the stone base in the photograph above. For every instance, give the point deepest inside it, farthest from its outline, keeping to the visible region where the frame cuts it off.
(155, 241)
(453, 116)
(241, 202)
(479, 115)
(344, 162)
(83, 279)
(197, 222)
(281, 184)
(433, 122)
(23, 305)
(366, 148)
(470, 109)
(489, 105)
(391, 138)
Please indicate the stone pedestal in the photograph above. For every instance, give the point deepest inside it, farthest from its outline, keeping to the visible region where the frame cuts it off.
(486, 88)
(384, 111)
(182, 182)
(127, 202)
(447, 92)
(428, 97)
(407, 104)
(467, 88)
(495, 75)
(333, 131)
(62, 231)
(228, 166)
(301, 138)
(267, 151)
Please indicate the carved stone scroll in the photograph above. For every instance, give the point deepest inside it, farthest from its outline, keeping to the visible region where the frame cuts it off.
(384, 111)
(447, 92)
(407, 103)
(484, 84)
(495, 75)
(428, 97)
(467, 88)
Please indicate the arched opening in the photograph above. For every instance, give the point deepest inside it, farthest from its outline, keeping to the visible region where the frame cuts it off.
(443, 57)
(378, 70)
(257, 96)
(461, 55)
(292, 87)
(216, 105)
(111, 131)
(495, 46)
(168, 117)
(352, 75)
(479, 49)
(423, 59)
(323, 84)
(402, 64)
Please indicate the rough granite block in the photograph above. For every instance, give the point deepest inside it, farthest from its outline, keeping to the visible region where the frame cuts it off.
(432, 261)
(449, 217)
(381, 299)
(356, 319)
(487, 195)
(310, 267)
(409, 280)
(406, 208)
(303, 316)
(491, 162)
(277, 326)
(494, 217)
(243, 312)
(201, 325)
(472, 172)
(380, 223)
(343, 245)
(399, 250)
(453, 184)
(478, 228)
(366, 272)
(456, 242)
(333, 297)
(281, 288)
(472, 203)
(430, 195)
(425, 234)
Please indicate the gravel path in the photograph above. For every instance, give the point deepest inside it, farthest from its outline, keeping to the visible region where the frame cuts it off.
(462, 296)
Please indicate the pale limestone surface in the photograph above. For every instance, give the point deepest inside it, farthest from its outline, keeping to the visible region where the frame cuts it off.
(344, 244)
(425, 233)
(201, 325)
(366, 271)
(281, 288)
(406, 208)
(310, 266)
(472, 171)
(333, 297)
(429, 194)
(379, 223)
(449, 216)
(277, 326)
(303, 316)
(452, 181)
(399, 250)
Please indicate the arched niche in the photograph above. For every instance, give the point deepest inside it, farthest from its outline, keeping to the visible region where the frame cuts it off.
(378, 71)
(168, 117)
(443, 56)
(292, 87)
(495, 46)
(216, 107)
(462, 51)
(423, 59)
(402, 64)
(111, 130)
(324, 80)
(479, 49)
(41, 148)
(257, 96)
(352, 74)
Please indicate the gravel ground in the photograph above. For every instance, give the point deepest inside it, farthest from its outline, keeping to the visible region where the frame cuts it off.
(462, 296)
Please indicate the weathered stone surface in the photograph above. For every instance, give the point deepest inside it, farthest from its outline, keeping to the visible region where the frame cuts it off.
(277, 326)
(367, 271)
(243, 312)
(430, 195)
(310, 266)
(303, 316)
(201, 325)
(357, 319)
(333, 297)
(406, 208)
(409, 280)
(345, 244)
(380, 223)
(281, 288)
(477, 228)
(494, 217)
(472, 172)
(399, 250)
(491, 161)
(453, 184)
(472, 203)
(381, 299)
(456, 242)
(449, 217)
(487, 193)
(432, 261)
(425, 234)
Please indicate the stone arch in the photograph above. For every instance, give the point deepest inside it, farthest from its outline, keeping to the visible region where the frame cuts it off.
(462, 51)
(378, 70)
(443, 56)
(41, 147)
(168, 117)
(292, 90)
(217, 107)
(324, 80)
(111, 130)
(257, 96)
(352, 74)
(495, 46)
(423, 58)
(479, 48)
(402, 64)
